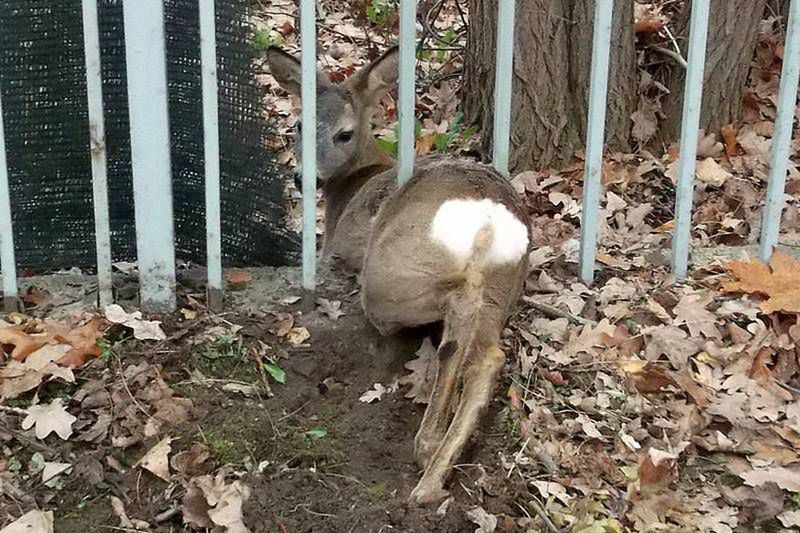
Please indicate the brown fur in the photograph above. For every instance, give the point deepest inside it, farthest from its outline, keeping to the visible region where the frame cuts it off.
(407, 279)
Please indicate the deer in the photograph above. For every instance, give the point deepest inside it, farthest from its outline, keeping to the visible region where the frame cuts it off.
(448, 247)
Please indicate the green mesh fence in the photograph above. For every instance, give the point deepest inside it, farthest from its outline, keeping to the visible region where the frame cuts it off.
(43, 81)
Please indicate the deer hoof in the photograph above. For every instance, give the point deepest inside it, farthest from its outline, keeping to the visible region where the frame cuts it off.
(427, 493)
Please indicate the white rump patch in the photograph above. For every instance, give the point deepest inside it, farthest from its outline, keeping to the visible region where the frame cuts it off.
(457, 223)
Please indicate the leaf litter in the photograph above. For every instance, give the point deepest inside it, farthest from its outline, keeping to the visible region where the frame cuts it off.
(634, 414)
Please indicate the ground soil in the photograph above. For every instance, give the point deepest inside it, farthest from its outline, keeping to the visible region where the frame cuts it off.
(355, 478)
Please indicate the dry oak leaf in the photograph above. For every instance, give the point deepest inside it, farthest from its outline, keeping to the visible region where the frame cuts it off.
(156, 460)
(785, 478)
(31, 522)
(779, 282)
(23, 343)
(691, 311)
(423, 372)
(49, 418)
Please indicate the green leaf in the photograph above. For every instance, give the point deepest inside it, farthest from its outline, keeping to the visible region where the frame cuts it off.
(441, 140)
(389, 147)
(277, 373)
(317, 433)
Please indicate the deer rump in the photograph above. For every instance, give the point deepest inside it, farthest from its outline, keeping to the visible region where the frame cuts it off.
(455, 227)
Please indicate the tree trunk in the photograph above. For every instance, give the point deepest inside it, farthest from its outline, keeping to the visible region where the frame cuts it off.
(732, 32)
(552, 58)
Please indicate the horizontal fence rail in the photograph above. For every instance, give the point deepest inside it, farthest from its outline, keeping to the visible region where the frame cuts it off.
(150, 142)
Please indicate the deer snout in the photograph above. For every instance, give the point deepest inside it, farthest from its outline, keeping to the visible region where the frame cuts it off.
(298, 180)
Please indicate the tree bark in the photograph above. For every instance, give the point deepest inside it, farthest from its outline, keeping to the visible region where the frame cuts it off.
(552, 58)
(732, 32)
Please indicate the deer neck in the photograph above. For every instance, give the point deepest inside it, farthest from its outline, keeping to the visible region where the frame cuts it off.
(342, 189)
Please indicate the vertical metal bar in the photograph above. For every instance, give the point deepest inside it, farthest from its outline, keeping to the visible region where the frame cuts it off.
(407, 92)
(593, 173)
(208, 59)
(692, 100)
(308, 49)
(781, 140)
(503, 83)
(8, 262)
(150, 152)
(97, 145)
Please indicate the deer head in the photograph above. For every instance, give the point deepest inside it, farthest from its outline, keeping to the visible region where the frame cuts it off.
(345, 142)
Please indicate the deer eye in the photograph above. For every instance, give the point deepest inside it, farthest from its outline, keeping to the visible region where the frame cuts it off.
(343, 137)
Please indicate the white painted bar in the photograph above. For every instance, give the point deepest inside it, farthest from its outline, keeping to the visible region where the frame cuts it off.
(8, 261)
(782, 138)
(97, 146)
(595, 136)
(150, 152)
(308, 97)
(407, 97)
(692, 101)
(503, 84)
(208, 59)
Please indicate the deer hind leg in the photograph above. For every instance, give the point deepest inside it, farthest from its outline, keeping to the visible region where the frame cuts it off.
(480, 375)
(460, 318)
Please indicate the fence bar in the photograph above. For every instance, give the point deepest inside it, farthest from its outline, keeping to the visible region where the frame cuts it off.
(595, 136)
(308, 50)
(150, 152)
(407, 93)
(503, 83)
(208, 59)
(8, 263)
(781, 140)
(97, 145)
(692, 100)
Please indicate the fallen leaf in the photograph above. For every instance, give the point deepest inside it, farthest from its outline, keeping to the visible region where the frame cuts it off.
(331, 308)
(23, 344)
(194, 508)
(51, 471)
(790, 519)
(224, 502)
(189, 461)
(423, 373)
(486, 522)
(785, 478)
(656, 474)
(83, 341)
(377, 391)
(37, 298)
(298, 336)
(691, 311)
(49, 418)
(156, 460)
(238, 279)
(779, 282)
(142, 329)
(31, 522)
(119, 509)
(729, 134)
(711, 172)
(672, 342)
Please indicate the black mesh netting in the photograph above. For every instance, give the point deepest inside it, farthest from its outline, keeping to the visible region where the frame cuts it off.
(42, 75)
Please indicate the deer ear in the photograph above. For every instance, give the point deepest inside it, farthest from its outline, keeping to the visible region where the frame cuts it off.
(377, 78)
(287, 70)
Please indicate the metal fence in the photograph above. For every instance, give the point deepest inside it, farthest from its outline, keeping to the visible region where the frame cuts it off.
(145, 53)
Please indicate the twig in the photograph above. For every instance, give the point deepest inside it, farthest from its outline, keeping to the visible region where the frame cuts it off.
(555, 312)
(166, 515)
(128, 390)
(674, 55)
(543, 515)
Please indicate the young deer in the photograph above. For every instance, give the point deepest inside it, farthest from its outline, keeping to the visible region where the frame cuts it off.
(449, 246)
